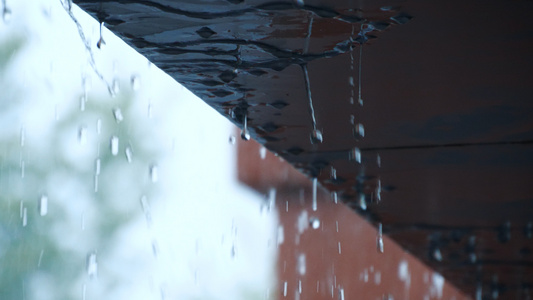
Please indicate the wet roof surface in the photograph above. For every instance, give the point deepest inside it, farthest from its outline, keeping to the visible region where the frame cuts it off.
(444, 124)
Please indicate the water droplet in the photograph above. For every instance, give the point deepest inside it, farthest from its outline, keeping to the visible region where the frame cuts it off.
(380, 238)
(115, 87)
(146, 210)
(117, 113)
(97, 167)
(334, 197)
(437, 255)
(92, 265)
(82, 103)
(150, 110)
(233, 251)
(362, 201)
(245, 134)
(341, 294)
(315, 223)
(285, 289)
(355, 155)
(22, 169)
(6, 15)
(154, 176)
(378, 161)
(22, 136)
(24, 217)
(43, 205)
(378, 191)
(98, 126)
(135, 82)
(40, 258)
(129, 154)
(316, 136)
(315, 187)
(359, 131)
(101, 41)
(301, 265)
(114, 145)
(231, 139)
(82, 135)
(262, 152)
(339, 246)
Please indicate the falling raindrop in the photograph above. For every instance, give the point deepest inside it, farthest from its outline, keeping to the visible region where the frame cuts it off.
(92, 265)
(82, 135)
(129, 154)
(333, 173)
(355, 154)
(22, 169)
(114, 145)
(362, 201)
(437, 255)
(315, 223)
(285, 289)
(97, 164)
(378, 191)
(22, 136)
(245, 134)
(6, 14)
(378, 161)
(233, 251)
(380, 238)
(341, 294)
(146, 210)
(115, 87)
(154, 176)
(135, 82)
(231, 139)
(335, 197)
(117, 113)
(359, 131)
(82, 103)
(150, 110)
(301, 264)
(315, 187)
(43, 205)
(262, 152)
(39, 261)
(101, 41)
(98, 126)
(24, 217)
(339, 245)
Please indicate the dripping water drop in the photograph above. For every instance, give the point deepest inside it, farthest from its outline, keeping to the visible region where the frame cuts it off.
(245, 134)
(117, 113)
(315, 187)
(82, 135)
(231, 140)
(129, 154)
(114, 145)
(135, 82)
(362, 201)
(380, 238)
(315, 223)
(154, 176)
(43, 205)
(101, 41)
(92, 265)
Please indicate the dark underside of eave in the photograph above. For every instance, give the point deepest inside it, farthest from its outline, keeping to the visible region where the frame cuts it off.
(448, 110)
